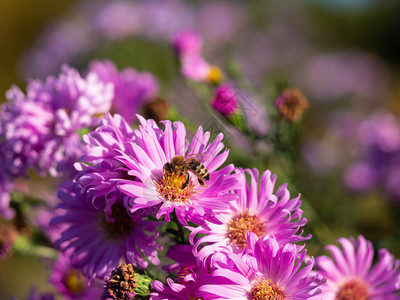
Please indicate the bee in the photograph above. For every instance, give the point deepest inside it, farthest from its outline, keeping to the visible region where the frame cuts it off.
(180, 166)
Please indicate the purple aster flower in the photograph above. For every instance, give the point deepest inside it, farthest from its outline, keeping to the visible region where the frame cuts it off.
(267, 271)
(225, 101)
(132, 89)
(99, 241)
(119, 19)
(258, 210)
(195, 68)
(350, 274)
(40, 129)
(71, 283)
(165, 185)
(187, 43)
(99, 167)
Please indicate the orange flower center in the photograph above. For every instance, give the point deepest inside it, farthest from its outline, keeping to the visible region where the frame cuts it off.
(240, 224)
(172, 188)
(353, 289)
(75, 281)
(267, 290)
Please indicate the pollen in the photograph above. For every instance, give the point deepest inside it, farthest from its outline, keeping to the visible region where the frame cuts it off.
(267, 290)
(121, 225)
(172, 188)
(353, 289)
(75, 282)
(243, 222)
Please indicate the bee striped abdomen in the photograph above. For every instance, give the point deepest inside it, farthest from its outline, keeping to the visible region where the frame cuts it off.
(198, 169)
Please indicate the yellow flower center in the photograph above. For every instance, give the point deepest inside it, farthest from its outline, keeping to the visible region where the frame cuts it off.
(172, 187)
(353, 289)
(215, 75)
(267, 290)
(242, 223)
(75, 282)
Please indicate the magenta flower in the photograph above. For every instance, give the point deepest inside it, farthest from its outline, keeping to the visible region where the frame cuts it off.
(267, 271)
(225, 101)
(132, 89)
(350, 274)
(187, 43)
(258, 210)
(154, 186)
(99, 167)
(195, 68)
(40, 129)
(99, 241)
(71, 283)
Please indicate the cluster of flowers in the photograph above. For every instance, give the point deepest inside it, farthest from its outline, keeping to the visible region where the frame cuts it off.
(93, 24)
(125, 190)
(134, 192)
(41, 129)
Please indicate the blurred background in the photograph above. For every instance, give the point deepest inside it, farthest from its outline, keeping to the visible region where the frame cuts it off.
(343, 55)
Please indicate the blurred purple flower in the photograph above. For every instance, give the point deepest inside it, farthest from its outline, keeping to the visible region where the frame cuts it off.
(98, 241)
(351, 272)
(346, 73)
(225, 101)
(119, 19)
(187, 43)
(71, 283)
(132, 89)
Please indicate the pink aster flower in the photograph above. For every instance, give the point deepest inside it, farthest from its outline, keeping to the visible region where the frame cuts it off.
(71, 283)
(168, 188)
(258, 210)
(98, 167)
(267, 271)
(40, 129)
(195, 68)
(350, 274)
(187, 43)
(132, 89)
(225, 101)
(99, 241)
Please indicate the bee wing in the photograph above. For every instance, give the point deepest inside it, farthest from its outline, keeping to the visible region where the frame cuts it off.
(202, 157)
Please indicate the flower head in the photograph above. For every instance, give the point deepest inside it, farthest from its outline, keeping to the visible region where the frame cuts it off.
(187, 43)
(170, 172)
(71, 283)
(132, 89)
(266, 271)
(98, 240)
(40, 129)
(350, 275)
(258, 210)
(225, 101)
